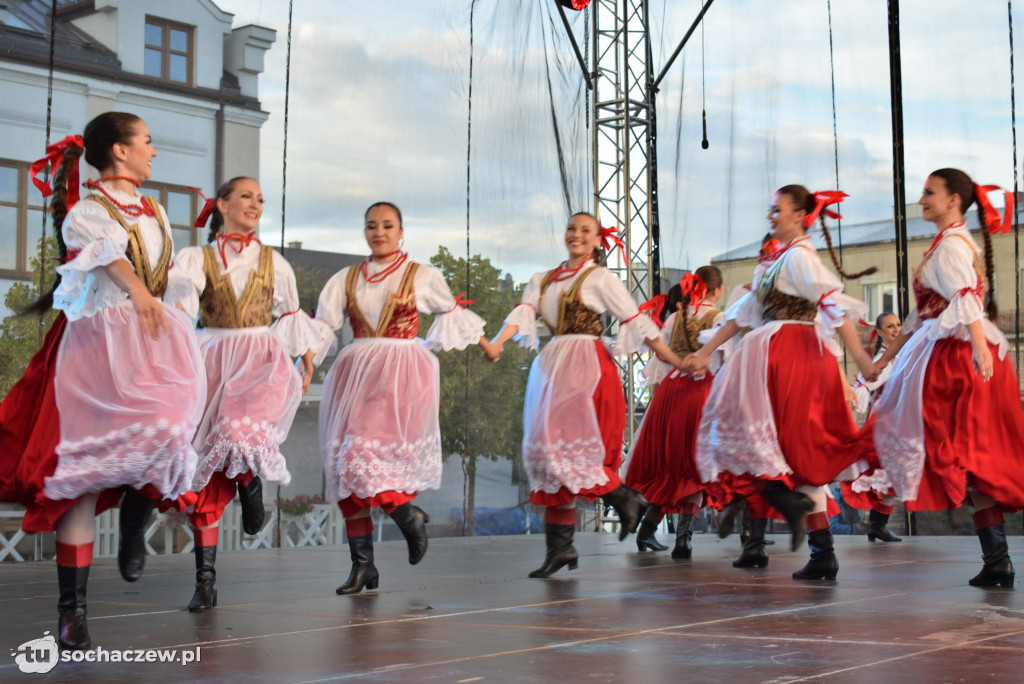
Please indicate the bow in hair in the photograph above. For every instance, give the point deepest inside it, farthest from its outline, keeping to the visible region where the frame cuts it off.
(206, 211)
(990, 215)
(655, 306)
(608, 236)
(824, 199)
(694, 287)
(55, 157)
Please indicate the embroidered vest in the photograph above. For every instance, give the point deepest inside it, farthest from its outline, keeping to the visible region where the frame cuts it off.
(682, 333)
(155, 279)
(574, 318)
(777, 305)
(930, 304)
(399, 318)
(218, 306)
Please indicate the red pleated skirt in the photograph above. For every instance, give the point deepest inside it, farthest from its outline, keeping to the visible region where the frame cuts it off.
(664, 466)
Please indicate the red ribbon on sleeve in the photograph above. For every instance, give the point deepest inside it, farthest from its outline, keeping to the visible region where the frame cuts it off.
(55, 157)
(990, 215)
(464, 303)
(824, 199)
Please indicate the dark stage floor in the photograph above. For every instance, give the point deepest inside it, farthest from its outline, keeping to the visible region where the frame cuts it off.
(468, 613)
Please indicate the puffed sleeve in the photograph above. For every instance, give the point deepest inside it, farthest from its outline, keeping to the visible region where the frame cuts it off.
(293, 326)
(330, 313)
(186, 281)
(100, 241)
(746, 311)
(455, 326)
(603, 293)
(805, 273)
(950, 272)
(657, 370)
(524, 316)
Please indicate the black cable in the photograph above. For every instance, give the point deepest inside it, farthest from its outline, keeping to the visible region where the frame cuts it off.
(1016, 224)
(41, 330)
(703, 92)
(835, 132)
(284, 151)
(465, 411)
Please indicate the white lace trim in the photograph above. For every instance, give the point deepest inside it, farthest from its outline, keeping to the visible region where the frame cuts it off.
(576, 465)
(366, 467)
(455, 329)
(243, 445)
(81, 293)
(160, 454)
(878, 481)
(633, 334)
(298, 333)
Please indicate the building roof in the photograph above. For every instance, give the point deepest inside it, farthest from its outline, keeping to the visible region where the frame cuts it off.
(324, 263)
(860, 234)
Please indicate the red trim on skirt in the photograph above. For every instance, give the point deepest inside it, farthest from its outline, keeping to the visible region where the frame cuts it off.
(973, 431)
(610, 404)
(664, 464)
(870, 500)
(388, 500)
(209, 503)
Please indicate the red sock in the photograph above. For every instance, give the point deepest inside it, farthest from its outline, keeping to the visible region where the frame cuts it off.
(74, 555)
(988, 517)
(206, 536)
(817, 521)
(884, 509)
(358, 527)
(560, 516)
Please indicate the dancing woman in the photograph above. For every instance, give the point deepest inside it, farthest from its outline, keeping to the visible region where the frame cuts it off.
(120, 374)
(662, 462)
(379, 433)
(574, 412)
(949, 423)
(237, 287)
(776, 420)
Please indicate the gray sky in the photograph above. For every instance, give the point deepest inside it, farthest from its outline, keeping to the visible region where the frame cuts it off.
(378, 110)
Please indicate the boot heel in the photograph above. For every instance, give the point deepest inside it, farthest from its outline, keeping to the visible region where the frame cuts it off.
(573, 563)
(372, 584)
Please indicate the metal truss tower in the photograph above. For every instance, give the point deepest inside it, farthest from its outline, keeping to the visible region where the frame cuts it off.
(623, 148)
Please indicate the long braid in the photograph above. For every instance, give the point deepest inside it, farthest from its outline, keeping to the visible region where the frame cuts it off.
(835, 259)
(991, 309)
(684, 314)
(59, 209)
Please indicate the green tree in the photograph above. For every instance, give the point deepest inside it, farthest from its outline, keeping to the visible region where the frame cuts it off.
(481, 403)
(22, 336)
(309, 283)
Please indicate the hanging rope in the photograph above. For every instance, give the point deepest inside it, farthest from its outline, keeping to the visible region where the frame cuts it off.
(554, 121)
(284, 150)
(41, 330)
(465, 411)
(1016, 224)
(835, 132)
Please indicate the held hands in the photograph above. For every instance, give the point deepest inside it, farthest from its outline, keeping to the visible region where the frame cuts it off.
(306, 365)
(696, 364)
(151, 312)
(492, 351)
(868, 368)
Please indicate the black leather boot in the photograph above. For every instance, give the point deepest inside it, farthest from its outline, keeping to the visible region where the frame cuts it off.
(72, 629)
(412, 521)
(645, 539)
(754, 554)
(560, 552)
(794, 507)
(251, 498)
(134, 516)
(998, 569)
(364, 572)
(726, 522)
(684, 533)
(629, 504)
(877, 528)
(205, 596)
(823, 563)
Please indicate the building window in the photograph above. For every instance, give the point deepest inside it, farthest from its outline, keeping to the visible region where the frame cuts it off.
(168, 50)
(21, 221)
(880, 297)
(182, 207)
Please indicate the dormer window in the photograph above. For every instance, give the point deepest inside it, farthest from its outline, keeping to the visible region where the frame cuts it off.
(168, 50)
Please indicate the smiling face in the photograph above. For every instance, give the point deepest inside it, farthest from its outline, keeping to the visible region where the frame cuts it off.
(134, 156)
(889, 328)
(582, 236)
(384, 230)
(242, 207)
(787, 221)
(938, 204)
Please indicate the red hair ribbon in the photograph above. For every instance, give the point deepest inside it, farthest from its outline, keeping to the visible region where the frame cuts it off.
(990, 215)
(608, 236)
(204, 213)
(874, 330)
(575, 4)
(464, 303)
(55, 157)
(655, 305)
(823, 199)
(242, 239)
(694, 287)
